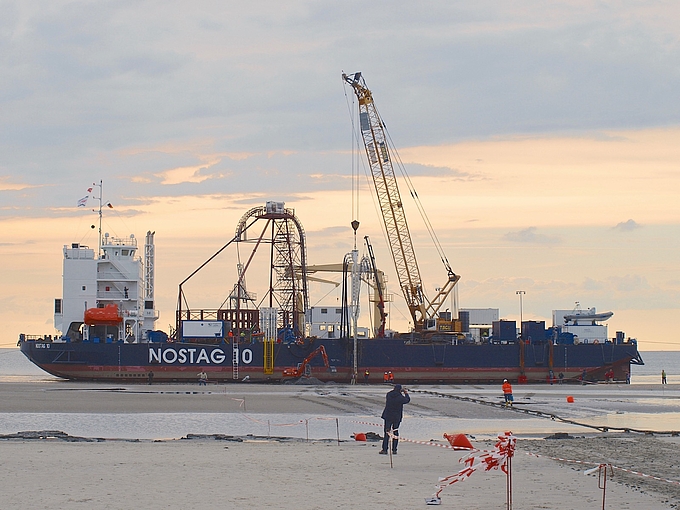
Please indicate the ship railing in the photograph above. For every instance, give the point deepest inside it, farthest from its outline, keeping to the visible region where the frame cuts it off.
(33, 338)
(113, 295)
(198, 315)
(119, 241)
(151, 314)
(117, 276)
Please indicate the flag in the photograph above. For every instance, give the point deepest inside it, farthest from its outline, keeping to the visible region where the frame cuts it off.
(83, 201)
(89, 190)
(108, 204)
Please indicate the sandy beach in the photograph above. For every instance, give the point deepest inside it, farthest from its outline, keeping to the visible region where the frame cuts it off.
(254, 472)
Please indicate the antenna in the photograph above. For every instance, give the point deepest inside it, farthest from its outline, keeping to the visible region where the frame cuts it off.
(101, 190)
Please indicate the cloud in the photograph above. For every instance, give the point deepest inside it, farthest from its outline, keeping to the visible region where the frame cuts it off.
(619, 284)
(415, 169)
(333, 231)
(6, 185)
(627, 226)
(193, 174)
(530, 236)
(628, 283)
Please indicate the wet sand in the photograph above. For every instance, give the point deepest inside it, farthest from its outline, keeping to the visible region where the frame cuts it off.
(322, 474)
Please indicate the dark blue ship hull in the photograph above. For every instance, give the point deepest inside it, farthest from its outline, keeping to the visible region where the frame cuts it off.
(409, 362)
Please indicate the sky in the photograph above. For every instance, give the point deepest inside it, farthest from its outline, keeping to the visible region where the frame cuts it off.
(541, 138)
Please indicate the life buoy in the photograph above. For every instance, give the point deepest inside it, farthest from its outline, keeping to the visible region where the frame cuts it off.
(596, 341)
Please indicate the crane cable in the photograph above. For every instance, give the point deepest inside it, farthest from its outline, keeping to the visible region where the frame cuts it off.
(416, 198)
(355, 172)
(361, 161)
(409, 184)
(369, 182)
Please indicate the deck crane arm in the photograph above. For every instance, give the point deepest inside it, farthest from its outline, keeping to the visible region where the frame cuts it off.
(379, 289)
(391, 207)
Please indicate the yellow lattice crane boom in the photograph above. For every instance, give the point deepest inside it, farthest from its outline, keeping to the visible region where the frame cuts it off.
(423, 311)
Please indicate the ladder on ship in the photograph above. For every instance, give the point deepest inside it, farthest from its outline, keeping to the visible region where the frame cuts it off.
(268, 317)
(269, 356)
(234, 360)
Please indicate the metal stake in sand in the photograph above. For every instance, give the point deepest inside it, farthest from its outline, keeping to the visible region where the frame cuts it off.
(508, 483)
(601, 478)
(337, 430)
(391, 433)
(307, 429)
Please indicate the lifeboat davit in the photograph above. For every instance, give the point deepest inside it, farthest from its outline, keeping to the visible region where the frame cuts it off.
(107, 316)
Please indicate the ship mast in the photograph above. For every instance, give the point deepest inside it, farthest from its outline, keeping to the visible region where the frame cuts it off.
(101, 191)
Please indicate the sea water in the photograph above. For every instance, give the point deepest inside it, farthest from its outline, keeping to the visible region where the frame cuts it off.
(14, 367)
(655, 362)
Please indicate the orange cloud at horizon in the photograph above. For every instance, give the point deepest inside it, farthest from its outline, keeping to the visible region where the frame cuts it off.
(603, 179)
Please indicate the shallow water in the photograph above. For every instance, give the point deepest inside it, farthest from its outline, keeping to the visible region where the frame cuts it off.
(176, 425)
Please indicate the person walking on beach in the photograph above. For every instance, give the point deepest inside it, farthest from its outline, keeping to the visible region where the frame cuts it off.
(202, 378)
(663, 377)
(507, 393)
(392, 414)
(150, 376)
(561, 377)
(367, 374)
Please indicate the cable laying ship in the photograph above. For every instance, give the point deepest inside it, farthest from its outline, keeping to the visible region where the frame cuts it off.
(106, 317)
(115, 340)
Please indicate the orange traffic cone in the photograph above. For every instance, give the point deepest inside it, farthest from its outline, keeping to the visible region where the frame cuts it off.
(459, 441)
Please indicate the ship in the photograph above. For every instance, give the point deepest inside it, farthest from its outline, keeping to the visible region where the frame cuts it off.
(106, 316)
(107, 313)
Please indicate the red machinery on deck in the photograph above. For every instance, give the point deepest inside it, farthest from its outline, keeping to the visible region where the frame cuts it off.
(300, 370)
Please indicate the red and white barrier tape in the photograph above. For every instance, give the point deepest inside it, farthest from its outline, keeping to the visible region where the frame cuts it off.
(504, 449)
(426, 443)
(658, 478)
(367, 423)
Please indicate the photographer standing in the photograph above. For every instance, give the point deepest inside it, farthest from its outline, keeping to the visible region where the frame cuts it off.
(393, 413)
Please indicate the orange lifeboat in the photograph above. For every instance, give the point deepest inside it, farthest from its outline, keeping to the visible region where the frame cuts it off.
(107, 316)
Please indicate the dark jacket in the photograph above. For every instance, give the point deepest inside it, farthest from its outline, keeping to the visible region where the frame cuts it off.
(394, 405)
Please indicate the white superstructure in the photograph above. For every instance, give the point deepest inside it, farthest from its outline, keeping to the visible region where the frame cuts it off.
(324, 322)
(584, 325)
(120, 277)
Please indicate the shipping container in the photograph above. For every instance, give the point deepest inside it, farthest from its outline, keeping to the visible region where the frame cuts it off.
(504, 331)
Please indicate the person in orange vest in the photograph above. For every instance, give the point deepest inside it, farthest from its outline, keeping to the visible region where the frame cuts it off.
(390, 377)
(507, 393)
(386, 378)
(367, 374)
